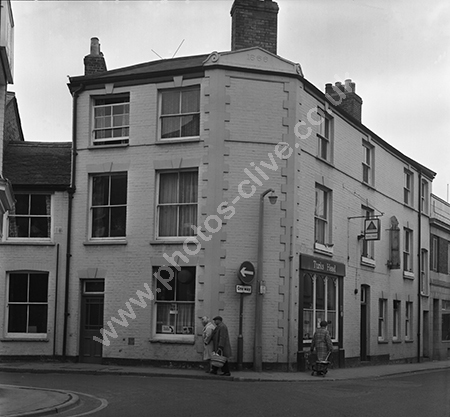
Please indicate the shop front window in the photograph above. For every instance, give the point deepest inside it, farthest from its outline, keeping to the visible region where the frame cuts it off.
(319, 303)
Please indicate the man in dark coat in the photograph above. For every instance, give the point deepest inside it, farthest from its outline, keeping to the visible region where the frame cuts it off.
(221, 341)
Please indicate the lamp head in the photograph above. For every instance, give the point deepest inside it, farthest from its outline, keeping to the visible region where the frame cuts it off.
(273, 198)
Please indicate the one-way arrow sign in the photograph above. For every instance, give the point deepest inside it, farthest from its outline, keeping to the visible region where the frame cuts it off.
(246, 272)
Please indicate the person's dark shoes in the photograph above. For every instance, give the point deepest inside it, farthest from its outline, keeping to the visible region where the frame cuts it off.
(226, 374)
(213, 372)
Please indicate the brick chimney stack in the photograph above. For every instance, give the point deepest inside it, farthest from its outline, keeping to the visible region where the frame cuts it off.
(254, 23)
(94, 62)
(344, 96)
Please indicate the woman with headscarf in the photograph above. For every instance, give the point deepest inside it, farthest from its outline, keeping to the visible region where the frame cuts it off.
(208, 345)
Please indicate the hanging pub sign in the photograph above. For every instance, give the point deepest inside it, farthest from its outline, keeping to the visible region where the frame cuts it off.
(372, 229)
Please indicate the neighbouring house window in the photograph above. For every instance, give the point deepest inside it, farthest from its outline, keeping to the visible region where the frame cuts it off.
(175, 300)
(424, 196)
(367, 163)
(382, 322)
(30, 217)
(407, 188)
(111, 120)
(434, 253)
(27, 307)
(180, 113)
(396, 322)
(177, 203)
(446, 320)
(324, 145)
(322, 214)
(109, 205)
(368, 245)
(424, 271)
(320, 294)
(407, 250)
(409, 320)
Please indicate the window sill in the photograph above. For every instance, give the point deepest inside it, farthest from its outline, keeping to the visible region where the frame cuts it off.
(177, 140)
(408, 274)
(324, 249)
(176, 340)
(325, 161)
(409, 341)
(105, 242)
(408, 206)
(370, 186)
(119, 145)
(368, 262)
(383, 342)
(192, 239)
(24, 339)
(423, 294)
(27, 243)
(396, 341)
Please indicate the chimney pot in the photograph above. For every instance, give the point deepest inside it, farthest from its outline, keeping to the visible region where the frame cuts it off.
(95, 47)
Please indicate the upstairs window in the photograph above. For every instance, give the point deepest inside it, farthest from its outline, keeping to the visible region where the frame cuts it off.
(407, 188)
(324, 143)
(27, 305)
(407, 250)
(368, 246)
(180, 113)
(424, 197)
(30, 217)
(322, 214)
(109, 205)
(177, 203)
(111, 120)
(367, 163)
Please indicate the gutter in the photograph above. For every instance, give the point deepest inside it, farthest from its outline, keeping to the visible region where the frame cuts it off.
(71, 190)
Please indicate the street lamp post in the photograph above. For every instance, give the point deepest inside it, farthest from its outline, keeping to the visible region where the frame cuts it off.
(257, 359)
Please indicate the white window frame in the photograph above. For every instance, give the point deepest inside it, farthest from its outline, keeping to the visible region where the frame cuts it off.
(107, 206)
(382, 319)
(409, 320)
(424, 196)
(122, 100)
(316, 319)
(324, 136)
(424, 277)
(177, 204)
(435, 251)
(161, 92)
(161, 282)
(396, 312)
(368, 163)
(30, 216)
(408, 187)
(408, 263)
(28, 303)
(323, 218)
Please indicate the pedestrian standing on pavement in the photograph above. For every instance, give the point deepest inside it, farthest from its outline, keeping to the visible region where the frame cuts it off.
(208, 345)
(222, 344)
(321, 342)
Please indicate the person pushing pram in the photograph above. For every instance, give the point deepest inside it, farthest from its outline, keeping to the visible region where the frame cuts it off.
(322, 344)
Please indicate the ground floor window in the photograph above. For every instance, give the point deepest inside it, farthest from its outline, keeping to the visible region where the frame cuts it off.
(445, 319)
(175, 300)
(320, 294)
(409, 320)
(382, 322)
(396, 322)
(27, 307)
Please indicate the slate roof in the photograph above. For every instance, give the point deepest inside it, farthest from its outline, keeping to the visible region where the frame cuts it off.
(149, 68)
(43, 164)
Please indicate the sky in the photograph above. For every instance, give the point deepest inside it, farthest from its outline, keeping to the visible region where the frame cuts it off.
(396, 51)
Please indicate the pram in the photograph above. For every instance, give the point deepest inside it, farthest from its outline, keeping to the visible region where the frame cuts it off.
(320, 368)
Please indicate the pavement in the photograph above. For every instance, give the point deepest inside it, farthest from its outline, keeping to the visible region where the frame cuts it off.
(28, 401)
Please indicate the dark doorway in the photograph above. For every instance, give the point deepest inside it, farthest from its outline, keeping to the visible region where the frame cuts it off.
(92, 303)
(364, 324)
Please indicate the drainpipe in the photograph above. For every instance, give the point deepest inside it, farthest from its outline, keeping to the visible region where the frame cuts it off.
(419, 286)
(72, 189)
(56, 299)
